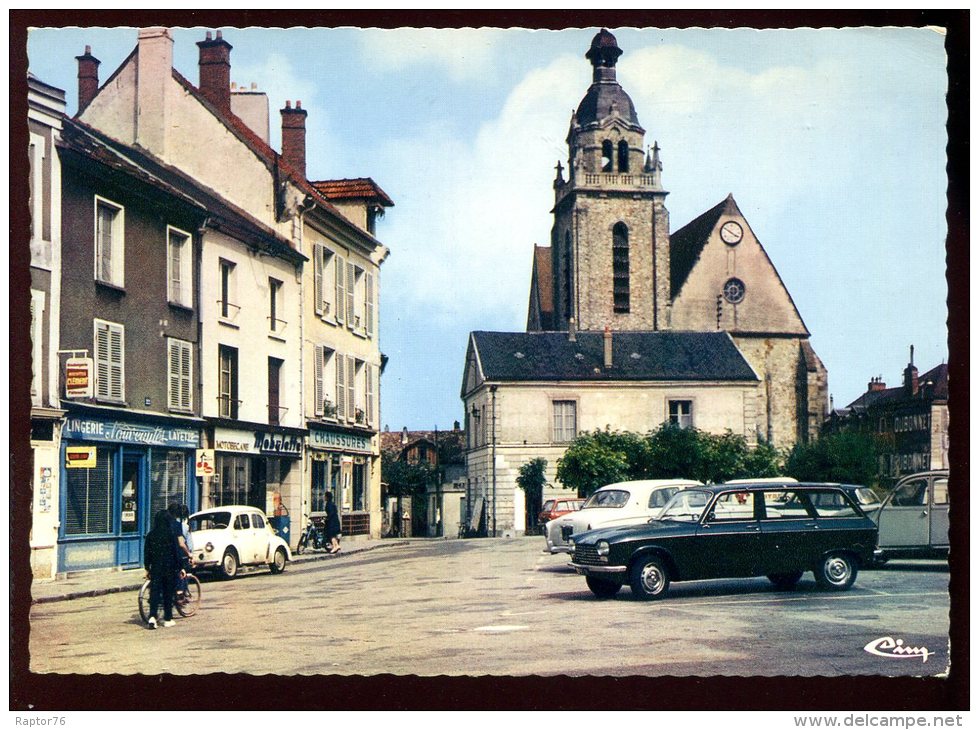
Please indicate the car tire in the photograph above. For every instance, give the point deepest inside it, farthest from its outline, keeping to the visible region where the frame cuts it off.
(229, 564)
(836, 572)
(785, 581)
(602, 588)
(649, 578)
(278, 563)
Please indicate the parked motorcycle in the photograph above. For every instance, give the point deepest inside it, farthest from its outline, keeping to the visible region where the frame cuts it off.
(313, 537)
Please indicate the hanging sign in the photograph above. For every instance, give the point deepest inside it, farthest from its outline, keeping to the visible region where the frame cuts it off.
(79, 457)
(205, 462)
(78, 377)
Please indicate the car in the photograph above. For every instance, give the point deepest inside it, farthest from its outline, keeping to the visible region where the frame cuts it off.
(226, 538)
(622, 503)
(732, 531)
(913, 518)
(865, 497)
(554, 508)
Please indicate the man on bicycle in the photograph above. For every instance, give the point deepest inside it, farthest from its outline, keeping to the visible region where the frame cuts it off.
(181, 533)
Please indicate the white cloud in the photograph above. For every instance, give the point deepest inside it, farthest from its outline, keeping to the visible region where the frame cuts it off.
(462, 53)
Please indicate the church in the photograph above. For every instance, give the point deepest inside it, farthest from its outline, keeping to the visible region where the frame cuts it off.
(631, 326)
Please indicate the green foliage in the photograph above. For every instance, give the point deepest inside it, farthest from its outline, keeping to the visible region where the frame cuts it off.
(604, 457)
(848, 457)
(531, 477)
(403, 478)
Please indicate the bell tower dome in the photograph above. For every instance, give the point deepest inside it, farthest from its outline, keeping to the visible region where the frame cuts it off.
(610, 241)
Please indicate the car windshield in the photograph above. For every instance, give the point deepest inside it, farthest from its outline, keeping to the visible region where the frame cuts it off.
(607, 498)
(686, 506)
(864, 496)
(210, 521)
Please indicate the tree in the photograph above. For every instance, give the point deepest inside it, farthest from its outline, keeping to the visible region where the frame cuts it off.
(531, 480)
(405, 479)
(847, 457)
(594, 460)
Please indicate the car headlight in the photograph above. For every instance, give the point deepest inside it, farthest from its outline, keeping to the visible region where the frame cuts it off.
(209, 547)
(601, 547)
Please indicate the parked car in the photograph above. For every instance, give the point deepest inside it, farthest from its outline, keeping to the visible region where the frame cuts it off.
(865, 497)
(623, 503)
(226, 538)
(732, 531)
(554, 508)
(913, 518)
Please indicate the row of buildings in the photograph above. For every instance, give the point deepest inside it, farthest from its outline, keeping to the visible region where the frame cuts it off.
(204, 318)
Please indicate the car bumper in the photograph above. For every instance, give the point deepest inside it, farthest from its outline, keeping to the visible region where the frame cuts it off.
(597, 569)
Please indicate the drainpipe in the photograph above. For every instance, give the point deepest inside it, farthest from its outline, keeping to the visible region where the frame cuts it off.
(493, 393)
(198, 306)
(306, 206)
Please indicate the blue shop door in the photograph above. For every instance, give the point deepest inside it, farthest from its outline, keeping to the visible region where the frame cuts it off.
(132, 498)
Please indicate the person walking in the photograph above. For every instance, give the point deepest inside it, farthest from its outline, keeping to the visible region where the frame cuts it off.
(162, 560)
(332, 524)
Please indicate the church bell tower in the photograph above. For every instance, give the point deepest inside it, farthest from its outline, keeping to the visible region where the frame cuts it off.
(610, 244)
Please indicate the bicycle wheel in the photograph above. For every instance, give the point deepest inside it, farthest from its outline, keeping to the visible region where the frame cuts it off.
(144, 602)
(192, 597)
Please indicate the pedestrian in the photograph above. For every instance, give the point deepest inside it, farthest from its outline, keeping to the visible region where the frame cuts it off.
(162, 560)
(332, 524)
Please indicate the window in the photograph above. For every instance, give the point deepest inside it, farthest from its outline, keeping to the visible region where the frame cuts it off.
(323, 272)
(229, 290)
(275, 380)
(109, 244)
(168, 479)
(257, 522)
(109, 366)
(659, 497)
(940, 492)
(360, 391)
(324, 371)
(179, 257)
(179, 375)
(734, 291)
(36, 149)
(275, 306)
(733, 506)
(341, 371)
(371, 374)
(241, 522)
(354, 302)
(340, 275)
(565, 426)
(681, 413)
(227, 382)
(351, 381)
(239, 481)
(911, 494)
(607, 156)
(37, 336)
(620, 268)
(369, 303)
(623, 156)
(88, 496)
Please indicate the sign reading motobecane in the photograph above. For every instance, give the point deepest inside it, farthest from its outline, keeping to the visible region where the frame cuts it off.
(205, 462)
(78, 377)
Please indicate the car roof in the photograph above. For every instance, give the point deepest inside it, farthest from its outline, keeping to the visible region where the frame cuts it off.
(763, 486)
(651, 483)
(228, 508)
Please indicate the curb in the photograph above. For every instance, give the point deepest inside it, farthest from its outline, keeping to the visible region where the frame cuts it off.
(95, 592)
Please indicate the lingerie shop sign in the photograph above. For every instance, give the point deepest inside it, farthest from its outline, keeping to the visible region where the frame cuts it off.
(124, 432)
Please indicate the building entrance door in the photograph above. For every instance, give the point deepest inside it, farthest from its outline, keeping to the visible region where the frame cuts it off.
(131, 499)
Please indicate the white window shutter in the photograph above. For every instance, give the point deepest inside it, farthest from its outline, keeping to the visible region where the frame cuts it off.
(318, 276)
(116, 350)
(351, 388)
(369, 374)
(186, 376)
(369, 302)
(341, 388)
(102, 365)
(318, 381)
(350, 295)
(341, 277)
(173, 367)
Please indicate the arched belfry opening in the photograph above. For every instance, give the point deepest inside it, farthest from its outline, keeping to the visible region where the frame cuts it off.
(623, 156)
(607, 156)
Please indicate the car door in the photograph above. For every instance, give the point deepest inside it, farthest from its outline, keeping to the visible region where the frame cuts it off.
(728, 539)
(938, 519)
(788, 528)
(244, 538)
(904, 518)
(261, 539)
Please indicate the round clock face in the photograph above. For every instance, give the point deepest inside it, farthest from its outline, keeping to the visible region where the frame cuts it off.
(731, 233)
(734, 291)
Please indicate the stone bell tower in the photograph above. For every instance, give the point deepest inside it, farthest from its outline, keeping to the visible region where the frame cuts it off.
(610, 244)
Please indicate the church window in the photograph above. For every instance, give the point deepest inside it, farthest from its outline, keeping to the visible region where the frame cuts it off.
(607, 156)
(734, 291)
(623, 156)
(568, 274)
(620, 268)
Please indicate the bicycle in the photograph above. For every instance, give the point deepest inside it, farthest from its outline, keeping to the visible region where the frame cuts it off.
(186, 606)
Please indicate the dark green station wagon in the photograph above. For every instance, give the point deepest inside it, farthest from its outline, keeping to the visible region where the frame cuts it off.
(733, 531)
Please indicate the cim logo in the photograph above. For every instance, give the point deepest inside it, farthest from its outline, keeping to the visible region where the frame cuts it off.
(895, 649)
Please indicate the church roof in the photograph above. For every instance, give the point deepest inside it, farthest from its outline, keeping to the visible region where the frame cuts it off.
(542, 288)
(599, 100)
(688, 242)
(663, 356)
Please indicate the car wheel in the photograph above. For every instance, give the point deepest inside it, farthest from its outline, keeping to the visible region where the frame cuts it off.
(836, 572)
(278, 563)
(229, 563)
(785, 581)
(649, 578)
(602, 588)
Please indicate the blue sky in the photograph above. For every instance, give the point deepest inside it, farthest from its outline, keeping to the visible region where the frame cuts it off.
(831, 141)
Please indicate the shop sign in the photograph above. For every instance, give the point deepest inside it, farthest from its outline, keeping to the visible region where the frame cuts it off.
(226, 439)
(279, 444)
(339, 440)
(205, 462)
(129, 433)
(78, 377)
(80, 457)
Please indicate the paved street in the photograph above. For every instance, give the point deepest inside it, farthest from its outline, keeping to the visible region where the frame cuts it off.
(501, 607)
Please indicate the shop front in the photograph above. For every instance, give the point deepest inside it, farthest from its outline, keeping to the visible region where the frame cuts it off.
(259, 468)
(115, 474)
(340, 463)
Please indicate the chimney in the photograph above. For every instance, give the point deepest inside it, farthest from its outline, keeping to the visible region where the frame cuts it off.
(876, 385)
(294, 137)
(154, 75)
(88, 78)
(214, 66)
(608, 348)
(911, 377)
